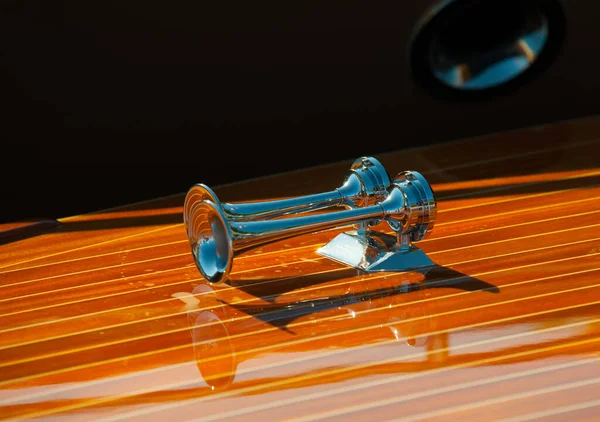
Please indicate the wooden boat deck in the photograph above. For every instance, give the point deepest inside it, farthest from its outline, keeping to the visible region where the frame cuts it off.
(106, 316)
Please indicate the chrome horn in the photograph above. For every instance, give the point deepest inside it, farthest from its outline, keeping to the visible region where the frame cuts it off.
(364, 184)
(409, 209)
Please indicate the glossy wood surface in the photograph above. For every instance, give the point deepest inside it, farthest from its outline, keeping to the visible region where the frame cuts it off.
(105, 316)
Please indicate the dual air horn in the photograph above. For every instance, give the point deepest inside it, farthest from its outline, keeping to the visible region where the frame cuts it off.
(218, 231)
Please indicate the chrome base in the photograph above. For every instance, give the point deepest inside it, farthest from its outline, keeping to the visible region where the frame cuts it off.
(373, 251)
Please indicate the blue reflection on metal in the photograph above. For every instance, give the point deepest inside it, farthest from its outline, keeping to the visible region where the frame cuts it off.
(513, 61)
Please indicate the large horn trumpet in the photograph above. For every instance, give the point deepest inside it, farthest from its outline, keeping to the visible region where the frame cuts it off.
(409, 209)
(365, 183)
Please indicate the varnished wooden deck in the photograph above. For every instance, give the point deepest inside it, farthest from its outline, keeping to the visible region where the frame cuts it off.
(107, 317)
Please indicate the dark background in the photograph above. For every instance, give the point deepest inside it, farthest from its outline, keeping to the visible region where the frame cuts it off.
(116, 101)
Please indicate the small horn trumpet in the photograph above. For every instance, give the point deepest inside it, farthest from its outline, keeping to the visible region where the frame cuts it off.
(364, 184)
(410, 210)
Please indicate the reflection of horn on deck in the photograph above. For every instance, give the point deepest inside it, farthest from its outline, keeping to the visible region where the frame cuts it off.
(418, 339)
(348, 317)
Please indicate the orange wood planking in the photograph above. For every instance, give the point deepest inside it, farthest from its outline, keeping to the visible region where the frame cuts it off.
(106, 316)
